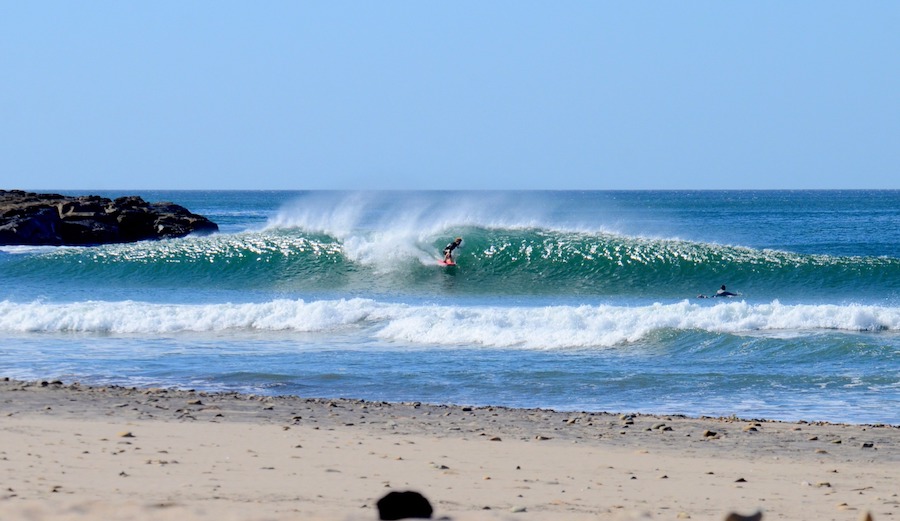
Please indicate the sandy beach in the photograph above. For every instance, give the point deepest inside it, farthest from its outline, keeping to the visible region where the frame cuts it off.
(72, 452)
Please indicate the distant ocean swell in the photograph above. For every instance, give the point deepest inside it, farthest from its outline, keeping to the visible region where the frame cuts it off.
(492, 261)
(548, 327)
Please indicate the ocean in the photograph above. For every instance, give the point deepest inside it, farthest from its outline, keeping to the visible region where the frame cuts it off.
(581, 301)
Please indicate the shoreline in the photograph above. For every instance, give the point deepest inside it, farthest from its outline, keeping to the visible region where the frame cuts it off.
(78, 452)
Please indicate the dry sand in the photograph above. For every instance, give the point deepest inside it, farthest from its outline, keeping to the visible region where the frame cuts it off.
(71, 452)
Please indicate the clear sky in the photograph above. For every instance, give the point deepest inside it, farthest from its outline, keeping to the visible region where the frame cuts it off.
(435, 95)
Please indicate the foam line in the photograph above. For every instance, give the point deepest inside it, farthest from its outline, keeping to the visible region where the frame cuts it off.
(548, 327)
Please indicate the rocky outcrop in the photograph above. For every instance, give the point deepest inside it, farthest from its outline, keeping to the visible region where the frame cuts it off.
(52, 219)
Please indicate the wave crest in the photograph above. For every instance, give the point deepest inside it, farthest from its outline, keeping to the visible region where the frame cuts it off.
(491, 261)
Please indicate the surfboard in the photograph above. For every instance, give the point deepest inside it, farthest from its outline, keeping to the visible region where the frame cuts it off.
(445, 263)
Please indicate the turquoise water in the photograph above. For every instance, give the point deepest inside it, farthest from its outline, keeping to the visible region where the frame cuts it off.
(566, 300)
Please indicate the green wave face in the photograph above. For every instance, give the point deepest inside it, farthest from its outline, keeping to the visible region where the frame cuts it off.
(242, 261)
(504, 261)
(547, 262)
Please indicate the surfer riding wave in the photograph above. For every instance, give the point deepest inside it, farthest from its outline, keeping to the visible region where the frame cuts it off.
(448, 250)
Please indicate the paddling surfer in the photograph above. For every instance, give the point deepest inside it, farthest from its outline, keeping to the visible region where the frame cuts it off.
(721, 292)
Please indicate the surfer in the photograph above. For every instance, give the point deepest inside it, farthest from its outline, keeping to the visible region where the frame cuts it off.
(721, 292)
(448, 250)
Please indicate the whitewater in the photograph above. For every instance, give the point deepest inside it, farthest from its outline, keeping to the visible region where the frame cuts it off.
(565, 300)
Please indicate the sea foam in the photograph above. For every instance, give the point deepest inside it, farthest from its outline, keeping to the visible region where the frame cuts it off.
(538, 327)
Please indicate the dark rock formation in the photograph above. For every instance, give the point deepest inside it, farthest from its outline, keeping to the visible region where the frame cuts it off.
(404, 505)
(52, 219)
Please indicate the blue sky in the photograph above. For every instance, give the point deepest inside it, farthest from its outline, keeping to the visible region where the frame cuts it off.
(449, 95)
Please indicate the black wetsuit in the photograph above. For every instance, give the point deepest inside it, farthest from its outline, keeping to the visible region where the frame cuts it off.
(449, 248)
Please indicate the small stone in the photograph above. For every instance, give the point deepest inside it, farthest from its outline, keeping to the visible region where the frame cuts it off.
(403, 505)
(734, 516)
(867, 445)
(126, 434)
(709, 434)
(495, 438)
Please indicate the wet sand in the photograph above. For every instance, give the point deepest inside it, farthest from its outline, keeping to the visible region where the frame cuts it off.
(71, 452)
